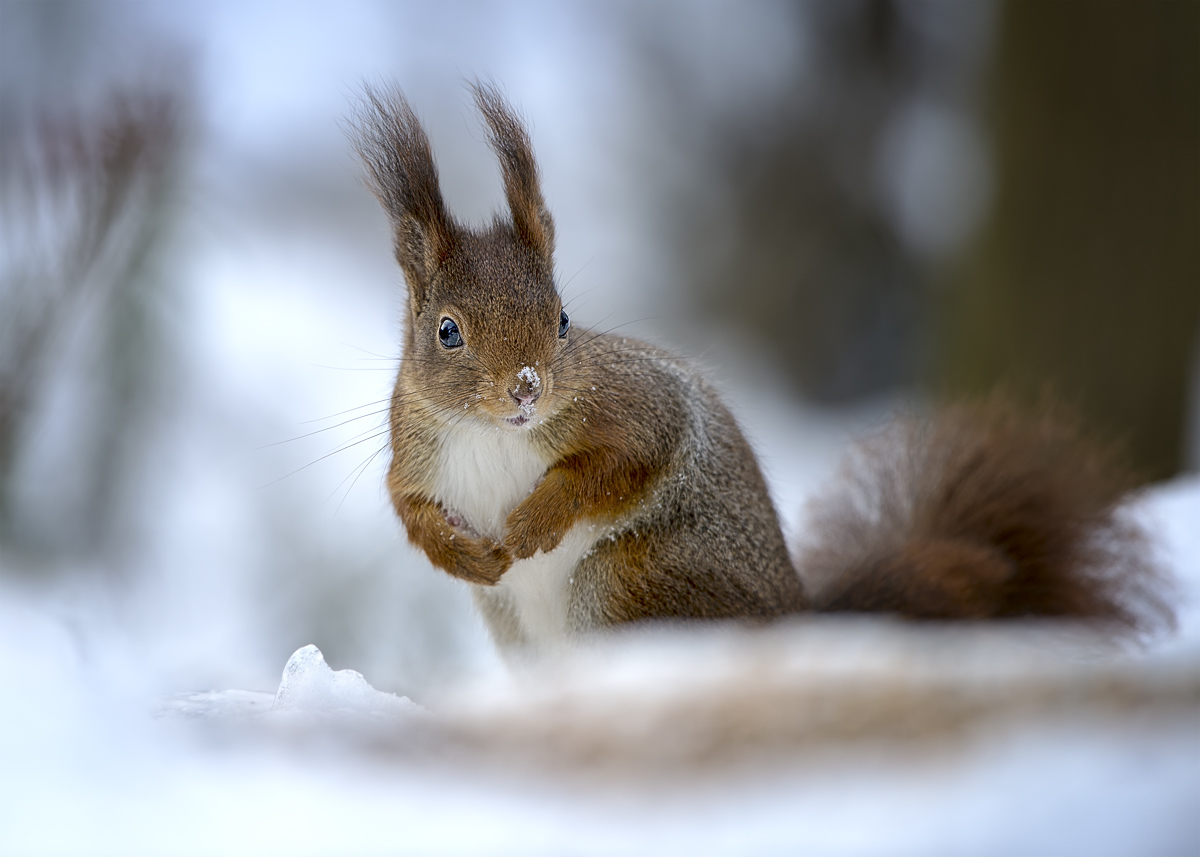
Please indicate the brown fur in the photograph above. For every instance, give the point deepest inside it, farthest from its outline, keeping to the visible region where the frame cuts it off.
(623, 421)
(393, 147)
(981, 513)
(984, 511)
(508, 137)
(476, 560)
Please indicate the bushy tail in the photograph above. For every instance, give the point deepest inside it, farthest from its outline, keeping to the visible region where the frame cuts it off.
(983, 511)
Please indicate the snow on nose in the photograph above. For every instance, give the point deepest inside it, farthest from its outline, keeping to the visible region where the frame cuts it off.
(527, 392)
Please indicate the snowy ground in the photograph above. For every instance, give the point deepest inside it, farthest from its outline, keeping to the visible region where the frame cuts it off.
(830, 739)
(120, 733)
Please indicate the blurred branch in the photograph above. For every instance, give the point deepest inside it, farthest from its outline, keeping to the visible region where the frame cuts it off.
(82, 198)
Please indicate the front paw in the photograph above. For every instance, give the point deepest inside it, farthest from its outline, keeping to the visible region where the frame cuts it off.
(526, 533)
(479, 560)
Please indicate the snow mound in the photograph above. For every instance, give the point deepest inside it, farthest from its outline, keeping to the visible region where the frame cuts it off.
(309, 685)
(682, 700)
(310, 694)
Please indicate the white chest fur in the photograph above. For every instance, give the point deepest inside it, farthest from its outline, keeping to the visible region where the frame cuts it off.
(482, 474)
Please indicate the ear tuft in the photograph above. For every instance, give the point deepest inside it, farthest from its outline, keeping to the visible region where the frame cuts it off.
(510, 141)
(401, 172)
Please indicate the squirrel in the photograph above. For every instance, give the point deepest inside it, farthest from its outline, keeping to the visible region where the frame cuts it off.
(578, 480)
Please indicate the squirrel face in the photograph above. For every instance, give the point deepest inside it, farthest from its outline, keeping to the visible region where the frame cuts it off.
(486, 332)
(491, 333)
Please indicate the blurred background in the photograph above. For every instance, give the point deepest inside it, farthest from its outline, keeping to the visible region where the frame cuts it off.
(837, 206)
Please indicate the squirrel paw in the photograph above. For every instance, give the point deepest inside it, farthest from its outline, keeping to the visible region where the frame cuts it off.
(527, 533)
(479, 560)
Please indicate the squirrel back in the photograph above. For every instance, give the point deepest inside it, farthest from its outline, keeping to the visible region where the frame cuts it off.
(578, 480)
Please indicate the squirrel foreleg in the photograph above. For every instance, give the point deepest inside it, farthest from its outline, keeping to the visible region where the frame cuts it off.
(476, 559)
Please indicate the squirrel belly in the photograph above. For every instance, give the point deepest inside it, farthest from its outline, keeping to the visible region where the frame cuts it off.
(482, 473)
(529, 609)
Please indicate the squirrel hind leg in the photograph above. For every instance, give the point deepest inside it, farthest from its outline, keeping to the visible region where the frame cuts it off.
(984, 511)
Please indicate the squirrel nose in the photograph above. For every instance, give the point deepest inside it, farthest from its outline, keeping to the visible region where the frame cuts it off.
(525, 396)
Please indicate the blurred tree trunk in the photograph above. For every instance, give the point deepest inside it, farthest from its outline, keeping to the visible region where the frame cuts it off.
(1087, 277)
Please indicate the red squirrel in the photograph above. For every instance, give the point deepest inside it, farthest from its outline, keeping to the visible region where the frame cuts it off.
(579, 480)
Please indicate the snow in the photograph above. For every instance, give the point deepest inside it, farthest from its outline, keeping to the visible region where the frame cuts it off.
(309, 685)
(153, 719)
(649, 743)
(310, 691)
(530, 376)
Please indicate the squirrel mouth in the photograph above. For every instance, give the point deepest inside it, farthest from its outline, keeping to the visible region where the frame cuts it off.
(518, 420)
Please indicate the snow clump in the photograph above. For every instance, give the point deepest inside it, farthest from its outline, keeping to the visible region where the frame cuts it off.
(310, 686)
(530, 376)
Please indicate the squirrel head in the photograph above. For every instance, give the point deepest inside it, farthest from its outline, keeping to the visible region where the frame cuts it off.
(486, 324)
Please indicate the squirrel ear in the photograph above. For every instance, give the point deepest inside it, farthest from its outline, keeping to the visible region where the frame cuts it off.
(511, 143)
(401, 173)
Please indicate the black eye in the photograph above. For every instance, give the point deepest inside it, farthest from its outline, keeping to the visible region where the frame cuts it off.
(564, 324)
(449, 335)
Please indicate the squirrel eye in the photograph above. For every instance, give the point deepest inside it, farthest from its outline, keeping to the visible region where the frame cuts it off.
(564, 324)
(449, 335)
